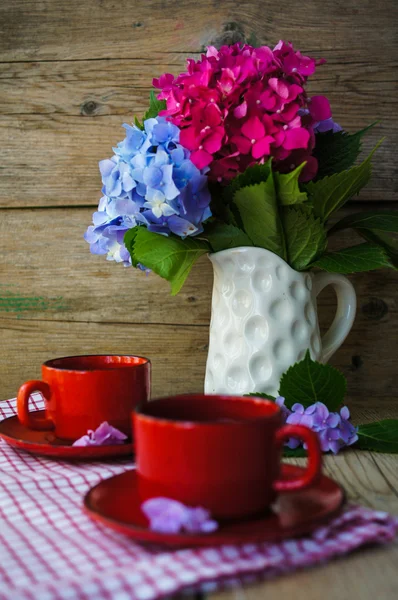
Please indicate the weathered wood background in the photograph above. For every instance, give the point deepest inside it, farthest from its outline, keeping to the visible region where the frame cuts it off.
(71, 74)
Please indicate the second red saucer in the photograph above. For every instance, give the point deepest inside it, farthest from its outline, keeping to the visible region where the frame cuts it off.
(115, 502)
(46, 443)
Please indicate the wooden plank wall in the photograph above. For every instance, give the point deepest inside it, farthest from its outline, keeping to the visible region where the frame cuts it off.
(71, 74)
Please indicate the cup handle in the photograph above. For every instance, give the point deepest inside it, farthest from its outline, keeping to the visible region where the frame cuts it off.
(345, 314)
(313, 470)
(24, 416)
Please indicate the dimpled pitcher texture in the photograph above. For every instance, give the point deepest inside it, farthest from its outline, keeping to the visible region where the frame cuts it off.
(264, 318)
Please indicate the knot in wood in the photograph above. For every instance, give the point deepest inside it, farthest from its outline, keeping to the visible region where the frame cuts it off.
(89, 108)
(375, 309)
(356, 362)
(231, 34)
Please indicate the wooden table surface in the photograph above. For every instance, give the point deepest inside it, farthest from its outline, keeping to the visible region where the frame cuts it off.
(371, 480)
(70, 74)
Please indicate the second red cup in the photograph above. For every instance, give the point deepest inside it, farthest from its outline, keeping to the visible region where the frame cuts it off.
(219, 452)
(83, 391)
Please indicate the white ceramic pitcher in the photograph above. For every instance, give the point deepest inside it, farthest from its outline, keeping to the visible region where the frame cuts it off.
(264, 318)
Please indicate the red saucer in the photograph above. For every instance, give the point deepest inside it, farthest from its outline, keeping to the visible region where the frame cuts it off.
(47, 444)
(115, 502)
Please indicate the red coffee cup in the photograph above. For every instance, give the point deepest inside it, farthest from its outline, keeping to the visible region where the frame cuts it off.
(83, 391)
(219, 452)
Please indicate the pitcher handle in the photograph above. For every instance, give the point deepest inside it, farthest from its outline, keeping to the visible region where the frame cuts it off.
(345, 313)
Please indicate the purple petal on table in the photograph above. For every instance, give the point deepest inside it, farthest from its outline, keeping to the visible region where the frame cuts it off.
(294, 419)
(333, 420)
(106, 434)
(348, 432)
(320, 416)
(345, 413)
(330, 440)
(169, 516)
(322, 410)
(293, 443)
(280, 401)
(209, 526)
(86, 440)
(165, 515)
(307, 421)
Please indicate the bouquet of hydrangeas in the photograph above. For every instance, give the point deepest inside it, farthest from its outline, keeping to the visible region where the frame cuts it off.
(234, 152)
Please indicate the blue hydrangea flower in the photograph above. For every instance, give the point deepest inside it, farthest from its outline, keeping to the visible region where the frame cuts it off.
(151, 181)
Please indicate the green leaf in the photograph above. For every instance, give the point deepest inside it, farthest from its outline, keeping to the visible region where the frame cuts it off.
(287, 187)
(169, 256)
(363, 257)
(129, 239)
(381, 436)
(138, 124)
(337, 152)
(388, 242)
(305, 237)
(261, 395)
(258, 208)
(308, 382)
(385, 220)
(155, 106)
(296, 453)
(221, 210)
(330, 193)
(252, 175)
(374, 226)
(222, 236)
(252, 40)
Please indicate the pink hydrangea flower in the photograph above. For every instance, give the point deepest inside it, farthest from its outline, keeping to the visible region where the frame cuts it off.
(240, 105)
(104, 435)
(169, 516)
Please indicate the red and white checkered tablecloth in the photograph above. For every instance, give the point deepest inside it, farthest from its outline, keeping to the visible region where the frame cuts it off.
(51, 550)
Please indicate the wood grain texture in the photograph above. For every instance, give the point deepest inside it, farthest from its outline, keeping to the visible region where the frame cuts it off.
(27, 344)
(371, 480)
(72, 74)
(49, 30)
(48, 279)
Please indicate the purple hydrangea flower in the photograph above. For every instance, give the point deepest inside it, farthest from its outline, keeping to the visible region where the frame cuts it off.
(151, 181)
(330, 440)
(280, 401)
(169, 516)
(335, 430)
(322, 126)
(104, 435)
(348, 432)
(301, 416)
(327, 125)
(322, 418)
